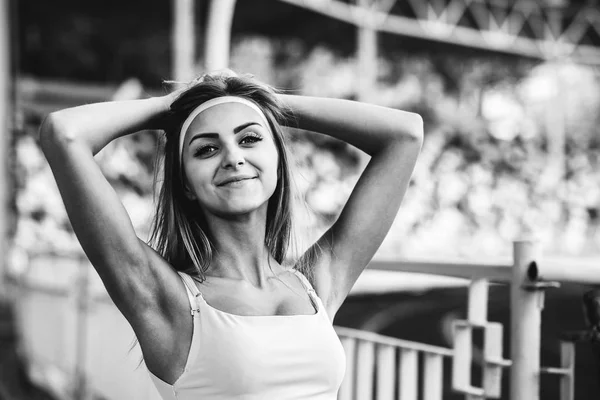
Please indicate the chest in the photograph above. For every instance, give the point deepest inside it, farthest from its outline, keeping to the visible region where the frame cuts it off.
(257, 357)
(248, 302)
(271, 352)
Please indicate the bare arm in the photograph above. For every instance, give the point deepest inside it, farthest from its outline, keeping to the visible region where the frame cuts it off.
(393, 139)
(70, 138)
(96, 125)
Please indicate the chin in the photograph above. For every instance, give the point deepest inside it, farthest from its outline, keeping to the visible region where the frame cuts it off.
(240, 207)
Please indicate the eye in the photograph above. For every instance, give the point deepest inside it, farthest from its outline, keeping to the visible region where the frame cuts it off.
(204, 151)
(251, 137)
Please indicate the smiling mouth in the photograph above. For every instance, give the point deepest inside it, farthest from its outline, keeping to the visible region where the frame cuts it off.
(236, 182)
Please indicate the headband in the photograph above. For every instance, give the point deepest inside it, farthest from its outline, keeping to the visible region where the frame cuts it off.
(211, 103)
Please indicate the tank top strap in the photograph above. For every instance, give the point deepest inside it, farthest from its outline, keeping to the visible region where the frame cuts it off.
(192, 291)
(312, 295)
(304, 281)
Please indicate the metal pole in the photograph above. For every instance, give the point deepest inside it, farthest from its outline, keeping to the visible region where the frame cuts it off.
(5, 129)
(218, 34)
(567, 360)
(478, 301)
(556, 128)
(367, 56)
(525, 331)
(184, 40)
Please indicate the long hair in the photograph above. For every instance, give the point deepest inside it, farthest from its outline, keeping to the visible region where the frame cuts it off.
(178, 231)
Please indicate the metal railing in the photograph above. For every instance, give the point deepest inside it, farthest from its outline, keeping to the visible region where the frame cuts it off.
(374, 361)
(373, 373)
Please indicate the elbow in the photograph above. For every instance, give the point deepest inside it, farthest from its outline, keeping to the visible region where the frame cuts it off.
(416, 131)
(410, 129)
(47, 131)
(52, 132)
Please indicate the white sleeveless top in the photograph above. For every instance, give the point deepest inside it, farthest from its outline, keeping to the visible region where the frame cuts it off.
(281, 357)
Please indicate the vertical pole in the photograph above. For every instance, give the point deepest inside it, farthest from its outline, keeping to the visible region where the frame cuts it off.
(367, 55)
(5, 129)
(365, 365)
(555, 126)
(463, 355)
(525, 318)
(477, 315)
(366, 74)
(433, 379)
(218, 34)
(386, 359)
(555, 117)
(184, 40)
(492, 350)
(408, 374)
(478, 301)
(567, 361)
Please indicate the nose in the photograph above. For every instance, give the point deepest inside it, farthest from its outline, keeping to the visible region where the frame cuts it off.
(233, 158)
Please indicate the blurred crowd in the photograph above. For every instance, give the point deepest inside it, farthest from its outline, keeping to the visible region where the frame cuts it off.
(486, 175)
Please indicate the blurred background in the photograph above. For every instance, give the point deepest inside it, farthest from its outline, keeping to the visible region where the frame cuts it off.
(510, 96)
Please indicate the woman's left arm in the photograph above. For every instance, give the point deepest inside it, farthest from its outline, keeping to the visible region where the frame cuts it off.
(393, 139)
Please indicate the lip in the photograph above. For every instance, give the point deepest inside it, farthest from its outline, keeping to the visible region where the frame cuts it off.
(236, 178)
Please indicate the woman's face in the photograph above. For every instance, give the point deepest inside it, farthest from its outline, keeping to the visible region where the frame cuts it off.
(230, 160)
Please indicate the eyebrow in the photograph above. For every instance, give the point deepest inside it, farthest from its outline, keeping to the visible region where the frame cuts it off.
(214, 135)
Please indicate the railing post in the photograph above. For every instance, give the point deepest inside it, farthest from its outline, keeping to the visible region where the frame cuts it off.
(365, 363)
(408, 371)
(478, 301)
(567, 361)
(525, 317)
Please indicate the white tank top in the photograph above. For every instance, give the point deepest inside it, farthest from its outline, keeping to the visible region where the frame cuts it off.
(282, 357)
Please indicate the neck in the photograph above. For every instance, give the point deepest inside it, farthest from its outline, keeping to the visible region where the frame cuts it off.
(240, 251)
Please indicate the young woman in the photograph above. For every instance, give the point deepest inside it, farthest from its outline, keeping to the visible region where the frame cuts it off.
(216, 313)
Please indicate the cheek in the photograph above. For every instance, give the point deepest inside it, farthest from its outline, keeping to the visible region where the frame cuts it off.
(198, 176)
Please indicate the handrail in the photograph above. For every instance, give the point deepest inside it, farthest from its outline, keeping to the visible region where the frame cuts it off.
(561, 269)
(493, 272)
(391, 341)
(566, 270)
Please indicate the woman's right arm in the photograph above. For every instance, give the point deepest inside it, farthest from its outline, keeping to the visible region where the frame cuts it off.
(134, 275)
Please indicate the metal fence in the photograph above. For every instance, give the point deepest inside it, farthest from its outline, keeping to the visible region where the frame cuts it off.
(384, 368)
